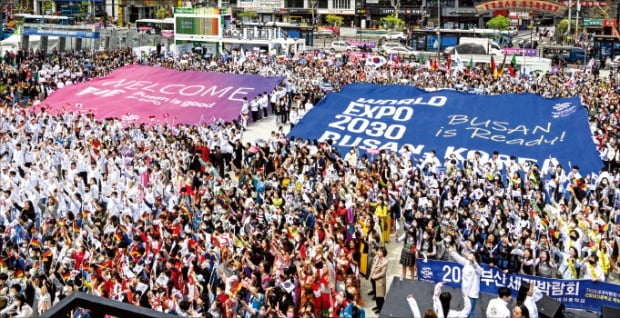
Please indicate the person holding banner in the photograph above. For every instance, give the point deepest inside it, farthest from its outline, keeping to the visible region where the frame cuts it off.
(470, 283)
(592, 269)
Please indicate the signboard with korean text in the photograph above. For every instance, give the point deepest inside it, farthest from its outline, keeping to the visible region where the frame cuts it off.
(577, 294)
(553, 8)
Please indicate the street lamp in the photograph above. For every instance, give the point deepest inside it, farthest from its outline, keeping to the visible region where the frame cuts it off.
(438, 29)
(313, 3)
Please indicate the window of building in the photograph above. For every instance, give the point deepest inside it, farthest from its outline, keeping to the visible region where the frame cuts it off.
(294, 3)
(342, 4)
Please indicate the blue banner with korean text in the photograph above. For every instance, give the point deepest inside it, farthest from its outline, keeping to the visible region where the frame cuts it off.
(577, 294)
(389, 117)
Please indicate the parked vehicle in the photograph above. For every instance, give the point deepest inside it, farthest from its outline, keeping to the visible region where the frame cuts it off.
(490, 46)
(467, 48)
(404, 52)
(566, 54)
(388, 45)
(324, 33)
(613, 64)
(342, 46)
(394, 36)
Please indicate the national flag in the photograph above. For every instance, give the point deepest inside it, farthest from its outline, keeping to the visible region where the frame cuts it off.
(108, 263)
(135, 253)
(604, 227)
(85, 213)
(152, 117)
(86, 267)
(421, 59)
(471, 63)
(512, 68)
(555, 234)
(76, 226)
(47, 255)
(448, 62)
(458, 61)
(19, 273)
(591, 64)
(493, 67)
(66, 276)
(35, 243)
(500, 71)
(118, 237)
(2, 263)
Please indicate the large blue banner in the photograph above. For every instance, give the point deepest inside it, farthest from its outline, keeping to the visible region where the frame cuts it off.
(577, 294)
(530, 127)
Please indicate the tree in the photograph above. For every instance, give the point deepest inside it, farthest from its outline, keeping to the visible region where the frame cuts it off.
(163, 13)
(334, 20)
(562, 27)
(393, 22)
(396, 5)
(499, 22)
(246, 15)
(48, 6)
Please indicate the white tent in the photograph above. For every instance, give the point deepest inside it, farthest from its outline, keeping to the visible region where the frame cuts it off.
(13, 43)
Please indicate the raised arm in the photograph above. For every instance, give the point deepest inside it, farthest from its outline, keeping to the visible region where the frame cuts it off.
(413, 305)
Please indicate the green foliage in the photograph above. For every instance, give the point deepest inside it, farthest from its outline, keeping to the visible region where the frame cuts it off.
(334, 20)
(562, 26)
(48, 5)
(499, 22)
(163, 13)
(246, 15)
(392, 22)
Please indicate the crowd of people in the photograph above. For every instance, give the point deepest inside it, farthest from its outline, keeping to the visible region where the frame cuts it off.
(191, 220)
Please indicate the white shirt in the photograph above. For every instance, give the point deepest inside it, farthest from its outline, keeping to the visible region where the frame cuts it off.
(530, 302)
(497, 308)
(452, 313)
(471, 276)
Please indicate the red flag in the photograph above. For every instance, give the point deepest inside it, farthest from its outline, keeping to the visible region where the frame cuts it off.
(512, 71)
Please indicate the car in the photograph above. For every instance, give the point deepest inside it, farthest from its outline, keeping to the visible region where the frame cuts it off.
(613, 64)
(394, 36)
(388, 45)
(404, 52)
(7, 32)
(324, 33)
(342, 46)
(467, 48)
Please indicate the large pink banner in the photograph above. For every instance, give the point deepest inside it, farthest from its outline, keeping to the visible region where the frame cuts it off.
(145, 94)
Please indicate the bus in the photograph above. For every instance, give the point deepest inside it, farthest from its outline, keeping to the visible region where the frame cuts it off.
(424, 40)
(44, 19)
(568, 54)
(163, 27)
(605, 47)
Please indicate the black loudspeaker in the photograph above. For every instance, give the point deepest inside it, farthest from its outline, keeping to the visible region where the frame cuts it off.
(550, 308)
(610, 312)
